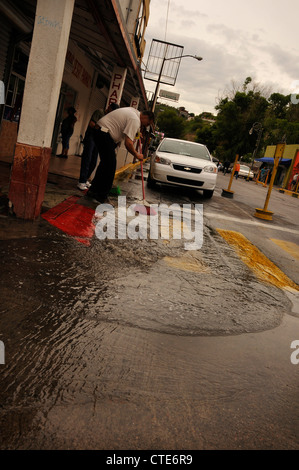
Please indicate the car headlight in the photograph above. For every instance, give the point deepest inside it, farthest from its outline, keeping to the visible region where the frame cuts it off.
(163, 161)
(210, 169)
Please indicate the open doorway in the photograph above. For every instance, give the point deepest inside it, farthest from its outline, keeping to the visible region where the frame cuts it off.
(67, 98)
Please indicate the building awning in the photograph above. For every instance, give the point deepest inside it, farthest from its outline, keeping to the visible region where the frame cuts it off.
(283, 161)
(99, 29)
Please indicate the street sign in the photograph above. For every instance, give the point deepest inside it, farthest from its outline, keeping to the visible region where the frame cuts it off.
(169, 95)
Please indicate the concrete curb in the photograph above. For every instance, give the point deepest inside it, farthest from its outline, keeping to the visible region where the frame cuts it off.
(288, 192)
(127, 168)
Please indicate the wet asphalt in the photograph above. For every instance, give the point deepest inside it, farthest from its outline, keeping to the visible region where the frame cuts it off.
(140, 344)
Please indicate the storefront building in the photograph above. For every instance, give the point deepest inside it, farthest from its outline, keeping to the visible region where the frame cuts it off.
(53, 55)
(288, 166)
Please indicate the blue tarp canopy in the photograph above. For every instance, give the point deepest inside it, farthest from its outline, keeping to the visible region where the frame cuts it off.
(283, 161)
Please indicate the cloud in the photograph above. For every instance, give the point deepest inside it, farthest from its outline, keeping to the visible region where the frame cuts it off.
(180, 11)
(229, 34)
(230, 53)
(179, 19)
(201, 83)
(286, 61)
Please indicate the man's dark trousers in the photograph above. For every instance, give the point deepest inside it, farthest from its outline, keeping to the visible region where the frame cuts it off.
(103, 180)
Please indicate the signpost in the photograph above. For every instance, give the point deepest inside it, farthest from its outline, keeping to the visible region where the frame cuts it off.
(163, 64)
(264, 213)
(227, 192)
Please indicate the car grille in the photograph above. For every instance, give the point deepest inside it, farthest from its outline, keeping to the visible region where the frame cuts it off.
(188, 169)
(175, 179)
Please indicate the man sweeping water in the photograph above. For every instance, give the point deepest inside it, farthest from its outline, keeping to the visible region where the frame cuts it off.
(117, 126)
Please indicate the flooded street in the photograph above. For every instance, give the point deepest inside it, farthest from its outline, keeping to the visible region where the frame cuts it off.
(141, 344)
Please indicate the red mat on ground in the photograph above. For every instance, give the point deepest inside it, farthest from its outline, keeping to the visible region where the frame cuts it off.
(73, 219)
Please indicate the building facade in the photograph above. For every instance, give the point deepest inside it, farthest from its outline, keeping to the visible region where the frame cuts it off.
(53, 55)
(288, 167)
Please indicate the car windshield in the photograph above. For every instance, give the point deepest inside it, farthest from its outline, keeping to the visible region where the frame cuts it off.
(185, 148)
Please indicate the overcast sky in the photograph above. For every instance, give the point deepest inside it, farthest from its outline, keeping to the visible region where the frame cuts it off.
(236, 38)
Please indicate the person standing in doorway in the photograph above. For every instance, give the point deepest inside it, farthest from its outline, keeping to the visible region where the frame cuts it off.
(90, 152)
(119, 125)
(67, 130)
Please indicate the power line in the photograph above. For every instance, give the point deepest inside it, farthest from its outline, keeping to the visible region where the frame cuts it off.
(166, 20)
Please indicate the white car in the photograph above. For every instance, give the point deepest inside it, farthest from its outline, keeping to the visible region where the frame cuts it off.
(183, 163)
(245, 171)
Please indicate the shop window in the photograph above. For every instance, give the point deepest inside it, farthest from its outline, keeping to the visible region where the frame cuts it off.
(15, 87)
(14, 97)
(20, 63)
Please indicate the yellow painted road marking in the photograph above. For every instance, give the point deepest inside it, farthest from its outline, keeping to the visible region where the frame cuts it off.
(188, 262)
(169, 227)
(262, 267)
(289, 247)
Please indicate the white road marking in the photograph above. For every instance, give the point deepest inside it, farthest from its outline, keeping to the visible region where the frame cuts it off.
(249, 222)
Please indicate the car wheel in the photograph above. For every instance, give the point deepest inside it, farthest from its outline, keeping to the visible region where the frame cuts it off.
(208, 193)
(150, 182)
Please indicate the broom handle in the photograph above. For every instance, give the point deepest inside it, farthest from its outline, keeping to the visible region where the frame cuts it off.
(143, 192)
(141, 165)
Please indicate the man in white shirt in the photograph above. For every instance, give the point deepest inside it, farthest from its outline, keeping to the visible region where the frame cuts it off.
(89, 156)
(121, 124)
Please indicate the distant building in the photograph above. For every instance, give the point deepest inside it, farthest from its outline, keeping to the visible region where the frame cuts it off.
(208, 117)
(183, 112)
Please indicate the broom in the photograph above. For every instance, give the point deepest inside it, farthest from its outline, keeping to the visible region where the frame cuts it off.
(115, 191)
(145, 207)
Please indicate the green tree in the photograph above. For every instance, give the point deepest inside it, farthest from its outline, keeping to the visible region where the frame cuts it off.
(279, 105)
(278, 129)
(235, 118)
(169, 122)
(236, 113)
(205, 135)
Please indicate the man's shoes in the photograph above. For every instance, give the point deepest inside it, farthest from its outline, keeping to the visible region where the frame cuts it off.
(82, 186)
(61, 155)
(91, 194)
(97, 198)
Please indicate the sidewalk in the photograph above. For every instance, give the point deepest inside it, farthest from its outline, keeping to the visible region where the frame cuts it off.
(62, 181)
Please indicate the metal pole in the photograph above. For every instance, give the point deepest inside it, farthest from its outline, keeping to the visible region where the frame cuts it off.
(158, 84)
(276, 161)
(260, 131)
(227, 192)
(266, 180)
(258, 177)
(264, 213)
